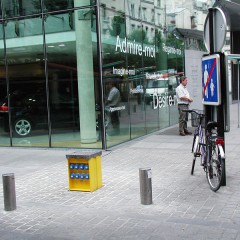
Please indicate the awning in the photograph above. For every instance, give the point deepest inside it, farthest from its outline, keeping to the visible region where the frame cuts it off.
(189, 33)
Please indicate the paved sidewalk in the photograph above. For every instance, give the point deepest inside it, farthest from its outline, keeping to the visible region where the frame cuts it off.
(183, 206)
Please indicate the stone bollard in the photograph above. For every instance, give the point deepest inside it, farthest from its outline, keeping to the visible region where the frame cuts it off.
(9, 191)
(145, 176)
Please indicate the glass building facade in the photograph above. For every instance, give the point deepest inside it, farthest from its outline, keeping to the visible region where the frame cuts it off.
(58, 59)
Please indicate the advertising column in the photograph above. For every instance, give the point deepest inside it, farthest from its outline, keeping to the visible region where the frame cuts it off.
(84, 53)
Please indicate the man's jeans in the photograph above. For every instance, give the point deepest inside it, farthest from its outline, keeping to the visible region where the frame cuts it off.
(183, 117)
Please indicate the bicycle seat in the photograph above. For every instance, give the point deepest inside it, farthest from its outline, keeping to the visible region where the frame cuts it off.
(211, 125)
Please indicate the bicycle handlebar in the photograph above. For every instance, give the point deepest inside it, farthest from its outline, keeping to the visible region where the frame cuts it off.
(193, 110)
(187, 110)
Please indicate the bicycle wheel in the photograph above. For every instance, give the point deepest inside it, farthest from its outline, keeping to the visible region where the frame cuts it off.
(215, 164)
(195, 149)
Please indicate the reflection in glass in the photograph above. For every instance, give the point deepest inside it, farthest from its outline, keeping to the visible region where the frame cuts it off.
(61, 22)
(137, 59)
(133, 9)
(67, 77)
(115, 73)
(55, 5)
(115, 5)
(27, 92)
(136, 82)
(4, 123)
(13, 8)
(62, 77)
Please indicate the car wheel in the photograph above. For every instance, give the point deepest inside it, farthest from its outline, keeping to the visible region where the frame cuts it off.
(22, 127)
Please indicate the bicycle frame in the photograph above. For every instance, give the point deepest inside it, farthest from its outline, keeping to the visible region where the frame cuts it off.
(200, 146)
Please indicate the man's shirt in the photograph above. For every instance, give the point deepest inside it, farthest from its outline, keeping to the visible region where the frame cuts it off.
(182, 91)
(113, 97)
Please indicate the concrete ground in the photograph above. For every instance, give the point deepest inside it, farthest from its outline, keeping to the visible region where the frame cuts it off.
(183, 206)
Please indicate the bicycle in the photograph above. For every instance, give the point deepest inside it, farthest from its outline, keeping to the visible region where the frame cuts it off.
(209, 147)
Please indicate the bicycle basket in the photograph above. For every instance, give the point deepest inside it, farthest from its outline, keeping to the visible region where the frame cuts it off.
(195, 118)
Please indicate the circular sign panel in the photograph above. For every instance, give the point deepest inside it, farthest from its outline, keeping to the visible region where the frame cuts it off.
(219, 30)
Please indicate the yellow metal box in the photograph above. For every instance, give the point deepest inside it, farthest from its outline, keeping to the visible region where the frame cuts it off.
(85, 170)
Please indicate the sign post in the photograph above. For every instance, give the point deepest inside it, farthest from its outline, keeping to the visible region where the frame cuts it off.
(214, 72)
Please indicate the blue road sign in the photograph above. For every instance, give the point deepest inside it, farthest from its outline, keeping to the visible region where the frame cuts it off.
(211, 80)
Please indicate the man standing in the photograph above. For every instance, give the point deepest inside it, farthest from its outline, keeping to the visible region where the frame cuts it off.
(183, 100)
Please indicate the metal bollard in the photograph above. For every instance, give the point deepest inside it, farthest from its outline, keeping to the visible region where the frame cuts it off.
(145, 176)
(9, 191)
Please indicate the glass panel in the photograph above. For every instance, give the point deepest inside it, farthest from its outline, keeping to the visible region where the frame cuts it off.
(133, 9)
(155, 84)
(114, 4)
(4, 129)
(26, 73)
(173, 109)
(4, 120)
(61, 22)
(73, 76)
(160, 15)
(175, 66)
(1, 36)
(136, 78)
(1, 9)
(13, 8)
(55, 5)
(115, 74)
(24, 28)
(147, 11)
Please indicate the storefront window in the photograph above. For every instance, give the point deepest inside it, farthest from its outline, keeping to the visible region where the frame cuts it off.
(61, 22)
(155, 84)
(73, 76)
(136, 78)
(55, 5)
(15, 8)
(175, 66)
(27, 86)
(54, 81)
(115, 75)
(62, 78)
(4, 120)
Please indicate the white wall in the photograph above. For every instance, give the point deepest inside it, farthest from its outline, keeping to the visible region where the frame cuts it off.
(193, 70)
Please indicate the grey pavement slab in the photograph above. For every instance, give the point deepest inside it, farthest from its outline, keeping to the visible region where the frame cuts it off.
(183, 206)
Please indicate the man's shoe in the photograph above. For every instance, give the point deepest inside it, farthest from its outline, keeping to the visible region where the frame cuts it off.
(188, 133)
(182, 134)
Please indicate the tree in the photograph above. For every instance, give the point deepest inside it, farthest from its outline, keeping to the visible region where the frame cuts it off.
(118, 26)
(139, 35)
